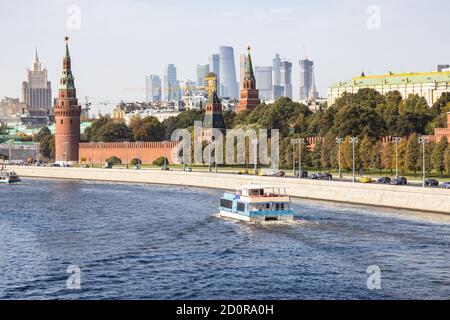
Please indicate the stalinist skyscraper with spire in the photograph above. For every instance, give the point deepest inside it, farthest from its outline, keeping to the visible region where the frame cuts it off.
(67, 115)
(37, 90)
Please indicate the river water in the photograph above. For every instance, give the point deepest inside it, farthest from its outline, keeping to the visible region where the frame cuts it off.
(158, 242)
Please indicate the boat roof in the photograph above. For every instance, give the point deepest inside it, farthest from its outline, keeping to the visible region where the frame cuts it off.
(254, 186)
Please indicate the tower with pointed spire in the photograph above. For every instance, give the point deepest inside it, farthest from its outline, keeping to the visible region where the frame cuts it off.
(214, 114)
(67, 115)
(37, 90)
(249, 97)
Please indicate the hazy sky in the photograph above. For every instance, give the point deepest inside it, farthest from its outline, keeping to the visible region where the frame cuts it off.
(119, 42)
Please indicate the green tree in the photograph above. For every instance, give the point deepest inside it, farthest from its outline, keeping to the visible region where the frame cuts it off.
(438, 155)
(447, 160)
(357, 114)
(47, 147)
(413, 154)
(365, 149)
(387, 156)
(44, 132)
(376, 161)
(429, 148)
(316, 155)
(147, 129)
(113, 160)
(414, 116)
(160, 162)
(135, 162)
(328, 155)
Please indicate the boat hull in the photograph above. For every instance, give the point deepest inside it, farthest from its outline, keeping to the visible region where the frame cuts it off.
(259, 218)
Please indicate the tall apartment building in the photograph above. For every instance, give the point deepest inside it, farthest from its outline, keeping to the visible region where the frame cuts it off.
(170, 83)
(286, 78)
(153, 88)
(228, 83)
(263, 76)
(37, 90)
(276, 77)
(242, 64)
(202, 71)
(307, 80)
(214, 67)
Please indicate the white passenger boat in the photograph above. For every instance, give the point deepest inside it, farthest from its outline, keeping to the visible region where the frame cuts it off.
(257, 204)
(8, 177)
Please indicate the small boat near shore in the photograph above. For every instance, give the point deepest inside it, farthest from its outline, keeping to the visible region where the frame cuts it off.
(257, 204)
(8, 177)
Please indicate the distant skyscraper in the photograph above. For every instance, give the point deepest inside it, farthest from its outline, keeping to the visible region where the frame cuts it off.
(276, 65)
(276, 77)
(263, 77)
(153, 88)
(286, 79)
(37, 90)
(214, 67)
(249, 95)
(202, 71)
(170, 82)
(307, 85)
(228, 83)
(242, 64)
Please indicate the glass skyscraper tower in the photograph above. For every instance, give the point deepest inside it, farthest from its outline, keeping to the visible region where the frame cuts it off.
(228, 83)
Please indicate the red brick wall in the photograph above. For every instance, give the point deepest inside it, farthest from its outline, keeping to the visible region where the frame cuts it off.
(146, 151)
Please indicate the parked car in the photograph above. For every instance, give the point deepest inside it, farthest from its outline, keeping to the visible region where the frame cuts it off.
(304, 174)
(275, 173)
(243, 171)
(55, 165)
(315, 176)
(165, 169)
(384, 180)
(365, 179)
(400, 181)
(327, 176)
(188, 169)
(137, 167)
(446, 185)
(84, 166)
(431, 183)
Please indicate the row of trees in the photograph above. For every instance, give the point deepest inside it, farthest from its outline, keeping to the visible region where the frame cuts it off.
(366, 114)
(371, 154)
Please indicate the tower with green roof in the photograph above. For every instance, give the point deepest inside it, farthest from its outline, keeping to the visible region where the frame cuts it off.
(249, 96)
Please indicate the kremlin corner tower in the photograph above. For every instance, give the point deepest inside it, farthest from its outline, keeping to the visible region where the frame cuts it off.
(249, 96)
(67, 116)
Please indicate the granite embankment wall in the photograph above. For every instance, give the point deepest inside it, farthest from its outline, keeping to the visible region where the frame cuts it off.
(413, 198)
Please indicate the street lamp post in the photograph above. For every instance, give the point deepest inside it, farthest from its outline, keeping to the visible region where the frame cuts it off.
(139, 146)
(255, 154)
(396, 140)
(165, 159)
(301, 142)
(339, 142)
(92, 154)
(127, 144)
(354, 141)
(100, 144)
(423, 141)
(209, 158)
(293, 142)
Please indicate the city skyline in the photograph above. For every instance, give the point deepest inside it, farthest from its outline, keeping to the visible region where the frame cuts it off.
(324, 35)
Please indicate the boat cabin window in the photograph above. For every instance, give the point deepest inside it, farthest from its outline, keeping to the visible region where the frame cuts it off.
(226, 203)
(253, 192)
(240, 206)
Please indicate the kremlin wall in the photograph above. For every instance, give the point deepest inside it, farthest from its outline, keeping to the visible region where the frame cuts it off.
(147, 152)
